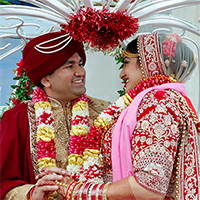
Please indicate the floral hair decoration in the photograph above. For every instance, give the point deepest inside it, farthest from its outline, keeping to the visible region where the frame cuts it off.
(169, 44)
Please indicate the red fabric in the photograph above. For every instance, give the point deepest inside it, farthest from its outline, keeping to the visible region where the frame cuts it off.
(150, 54)
(191, 106)
(155, 145)
(38, 65)
(15, 167)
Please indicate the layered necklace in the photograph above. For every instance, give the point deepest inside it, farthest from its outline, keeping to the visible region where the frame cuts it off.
(84, 160)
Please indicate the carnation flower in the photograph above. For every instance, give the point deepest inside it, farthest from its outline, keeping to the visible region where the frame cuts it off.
(101, 28)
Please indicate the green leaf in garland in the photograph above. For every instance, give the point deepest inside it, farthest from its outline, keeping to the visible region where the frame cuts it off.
(121, 92)
(3, 110)
(121, 67)
(14, 86)
(120, 59)
(16, 78)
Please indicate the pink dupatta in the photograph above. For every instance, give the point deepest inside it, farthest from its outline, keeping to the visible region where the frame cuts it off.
(121, 140)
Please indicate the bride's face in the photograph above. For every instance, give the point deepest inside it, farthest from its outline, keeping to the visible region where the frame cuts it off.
(131, 72)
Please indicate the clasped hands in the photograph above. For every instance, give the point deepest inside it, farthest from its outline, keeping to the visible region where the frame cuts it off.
(48, 181)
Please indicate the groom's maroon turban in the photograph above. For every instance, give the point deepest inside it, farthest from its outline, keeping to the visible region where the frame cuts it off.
(38, 65)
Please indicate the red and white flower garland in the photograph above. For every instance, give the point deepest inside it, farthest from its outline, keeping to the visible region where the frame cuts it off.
(79, 130)
(46, 132)
(45, 129)
(84, 160)
(91, 171)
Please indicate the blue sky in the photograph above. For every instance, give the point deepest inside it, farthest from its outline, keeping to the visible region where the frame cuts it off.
(17, 2)
(7, 66)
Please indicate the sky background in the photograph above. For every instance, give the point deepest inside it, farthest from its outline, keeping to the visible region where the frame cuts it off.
(7, 66)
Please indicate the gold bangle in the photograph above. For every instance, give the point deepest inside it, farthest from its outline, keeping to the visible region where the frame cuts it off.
(105, 190)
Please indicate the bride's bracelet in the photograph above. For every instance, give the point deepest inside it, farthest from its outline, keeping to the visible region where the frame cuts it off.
(84, 191)
(90, 191)
(69, 187)
(76, 191)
